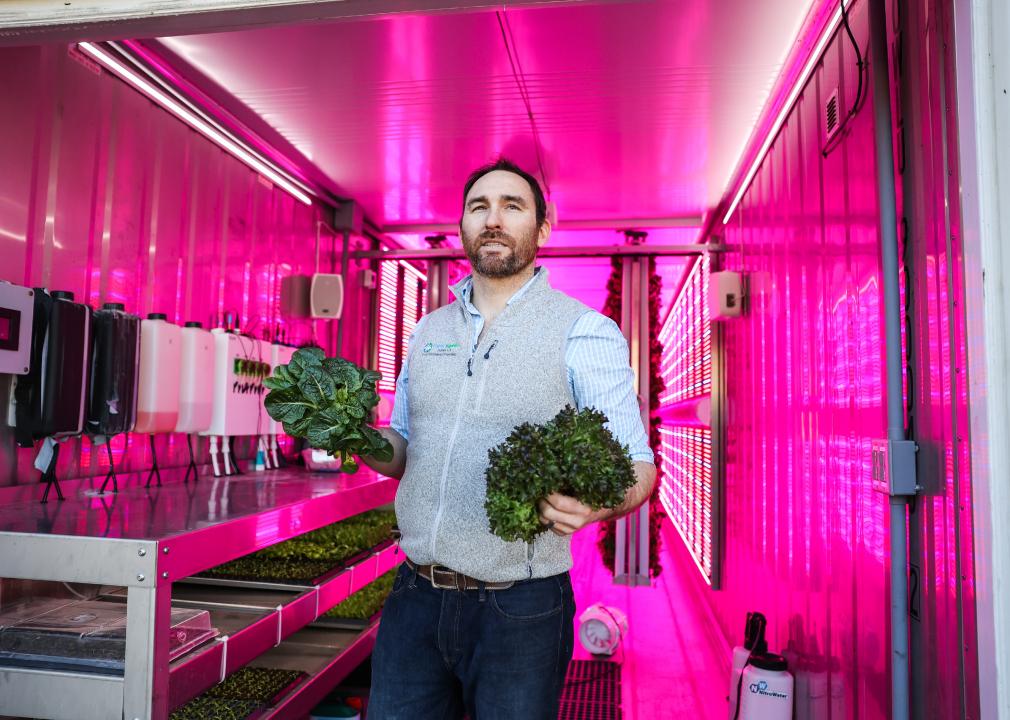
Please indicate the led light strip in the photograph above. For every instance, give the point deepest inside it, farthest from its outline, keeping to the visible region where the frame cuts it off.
(801, 81)
(215, 134)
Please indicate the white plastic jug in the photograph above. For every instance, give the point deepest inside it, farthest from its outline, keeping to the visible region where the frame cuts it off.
(158, 387)
(754, 642)
(196, 382)
(767, 689)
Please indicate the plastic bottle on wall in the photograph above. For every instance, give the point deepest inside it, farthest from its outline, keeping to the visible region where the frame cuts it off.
(767, 689)
(160, 360)
(754, 641)
(196, 381)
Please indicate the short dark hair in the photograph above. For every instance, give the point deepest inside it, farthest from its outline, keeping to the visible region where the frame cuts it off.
(509, 166)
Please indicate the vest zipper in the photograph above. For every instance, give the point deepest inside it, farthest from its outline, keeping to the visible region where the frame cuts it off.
(448, 451)
(483, 380)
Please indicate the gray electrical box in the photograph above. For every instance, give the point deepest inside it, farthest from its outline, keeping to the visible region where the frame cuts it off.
(894, 467)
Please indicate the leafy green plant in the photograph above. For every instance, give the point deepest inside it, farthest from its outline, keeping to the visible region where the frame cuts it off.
(258, 684)
(328, 402)
(574, 454)
(243, 693)
(209, 708)
(306, 557)
(363, 604)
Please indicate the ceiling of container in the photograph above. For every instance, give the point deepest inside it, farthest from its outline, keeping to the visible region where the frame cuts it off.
(642, 109)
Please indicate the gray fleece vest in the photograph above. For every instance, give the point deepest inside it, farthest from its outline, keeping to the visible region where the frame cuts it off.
(462, 404)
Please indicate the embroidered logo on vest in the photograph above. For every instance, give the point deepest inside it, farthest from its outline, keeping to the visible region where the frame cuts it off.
(433, 348)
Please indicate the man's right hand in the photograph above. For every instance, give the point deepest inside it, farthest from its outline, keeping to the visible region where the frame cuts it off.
(395, 467)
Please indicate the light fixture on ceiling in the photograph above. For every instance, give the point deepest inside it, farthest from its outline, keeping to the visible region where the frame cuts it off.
(780, 119)
(203, 125)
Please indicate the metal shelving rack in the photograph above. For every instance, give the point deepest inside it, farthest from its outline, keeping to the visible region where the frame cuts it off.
(146, 540)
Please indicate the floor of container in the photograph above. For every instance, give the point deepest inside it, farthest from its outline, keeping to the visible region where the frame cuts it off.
(675, 662)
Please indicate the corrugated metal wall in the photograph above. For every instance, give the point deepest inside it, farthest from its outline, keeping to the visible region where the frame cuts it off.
(806, 536)
(109, 196)
(941, 548)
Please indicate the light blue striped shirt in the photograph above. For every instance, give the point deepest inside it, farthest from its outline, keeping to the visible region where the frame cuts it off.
(598, 373)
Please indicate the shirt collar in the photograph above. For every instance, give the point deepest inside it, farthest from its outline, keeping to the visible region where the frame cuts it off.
(464, 289)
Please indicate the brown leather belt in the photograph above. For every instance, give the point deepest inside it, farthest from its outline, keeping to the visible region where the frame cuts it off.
(444, 578)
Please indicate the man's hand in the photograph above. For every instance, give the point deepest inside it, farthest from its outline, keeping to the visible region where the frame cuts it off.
(395, 467)
(565, 515)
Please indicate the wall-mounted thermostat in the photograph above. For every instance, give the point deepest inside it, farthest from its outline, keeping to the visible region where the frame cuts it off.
(17, 310)
(725, 295)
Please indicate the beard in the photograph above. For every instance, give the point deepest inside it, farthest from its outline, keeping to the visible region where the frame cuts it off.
(520, 254)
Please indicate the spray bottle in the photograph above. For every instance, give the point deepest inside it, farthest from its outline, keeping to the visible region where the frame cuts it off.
(767, 688)
(753, 643)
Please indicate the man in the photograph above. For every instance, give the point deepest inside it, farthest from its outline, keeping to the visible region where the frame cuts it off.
(475, 624)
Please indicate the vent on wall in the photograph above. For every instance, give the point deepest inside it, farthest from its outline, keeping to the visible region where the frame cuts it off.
(831, 119)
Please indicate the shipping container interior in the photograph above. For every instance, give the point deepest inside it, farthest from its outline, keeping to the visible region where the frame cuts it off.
(207, 166)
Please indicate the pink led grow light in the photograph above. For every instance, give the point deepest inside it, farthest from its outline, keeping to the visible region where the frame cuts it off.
(402, 298)
(206, 127)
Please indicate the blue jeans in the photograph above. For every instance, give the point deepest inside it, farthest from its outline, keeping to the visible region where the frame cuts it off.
(492, 654)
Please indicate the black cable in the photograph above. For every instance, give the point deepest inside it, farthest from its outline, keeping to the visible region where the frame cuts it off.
(861, 96)
(859, 57)
(520, 78)
(906, 261)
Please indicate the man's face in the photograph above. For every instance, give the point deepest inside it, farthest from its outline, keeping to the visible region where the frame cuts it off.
(499, 225)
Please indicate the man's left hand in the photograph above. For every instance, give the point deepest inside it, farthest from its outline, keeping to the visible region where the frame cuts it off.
(565, 515)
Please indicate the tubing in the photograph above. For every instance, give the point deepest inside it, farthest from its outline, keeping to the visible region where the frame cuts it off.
(892, 325)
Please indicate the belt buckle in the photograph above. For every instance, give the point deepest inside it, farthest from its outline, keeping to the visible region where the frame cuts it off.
(436, 584)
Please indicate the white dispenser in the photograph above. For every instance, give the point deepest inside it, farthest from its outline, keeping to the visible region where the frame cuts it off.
(160, 364)
(238, 396)
(238, 385)
(767, 689)
(753, 642)
(196, 381)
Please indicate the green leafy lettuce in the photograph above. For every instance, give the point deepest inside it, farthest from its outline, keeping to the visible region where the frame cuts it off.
(328, 402)
(574, 454)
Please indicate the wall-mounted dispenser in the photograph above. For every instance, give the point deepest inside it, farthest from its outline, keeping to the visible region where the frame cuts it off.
(158, 384)
(196, 379)
(196, 387)
(160, 366)
(17, 308)
(50, 402)
(115, 365)
(238, 394)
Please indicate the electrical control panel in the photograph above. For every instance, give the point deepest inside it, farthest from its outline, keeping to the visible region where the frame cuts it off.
(725, 295)
(893, 466)
(16, 314)
(239, 371)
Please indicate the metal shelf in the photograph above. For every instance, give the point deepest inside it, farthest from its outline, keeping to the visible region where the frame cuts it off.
(144, 539)
(257, 620)
(312, 651)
